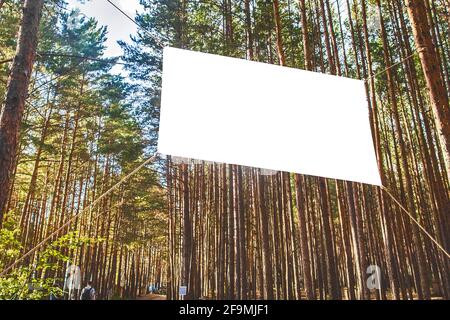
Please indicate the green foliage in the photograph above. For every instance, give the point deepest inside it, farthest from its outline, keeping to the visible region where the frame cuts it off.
(10, 245)
(29, 282)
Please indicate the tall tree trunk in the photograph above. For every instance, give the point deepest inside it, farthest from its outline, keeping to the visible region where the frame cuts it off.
(304, 250)
(266, 253)
(431, 67)
(305, 36)
(248, 30)
(18, 81)
(276, 13)
(187, 230)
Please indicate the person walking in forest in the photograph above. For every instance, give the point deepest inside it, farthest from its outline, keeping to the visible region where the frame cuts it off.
(88, 292)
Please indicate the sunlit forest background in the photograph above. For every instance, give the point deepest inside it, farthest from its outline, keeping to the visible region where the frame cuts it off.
(224, 231)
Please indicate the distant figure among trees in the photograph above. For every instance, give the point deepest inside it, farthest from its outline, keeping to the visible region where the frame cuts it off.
(88, 292)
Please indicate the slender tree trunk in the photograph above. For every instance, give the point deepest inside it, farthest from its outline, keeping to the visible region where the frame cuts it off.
(276, 13)
(431, 67)
(267, 253)
(305, 36)
(187, 230)
(248, 29)
(306, 260)
(18, 81)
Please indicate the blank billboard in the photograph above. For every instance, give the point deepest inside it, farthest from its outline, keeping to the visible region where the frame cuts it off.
(254, 114)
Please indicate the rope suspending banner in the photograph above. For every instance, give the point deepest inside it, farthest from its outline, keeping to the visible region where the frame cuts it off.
(43, 242)
(157, 41)
(416, 222)
(392, 66)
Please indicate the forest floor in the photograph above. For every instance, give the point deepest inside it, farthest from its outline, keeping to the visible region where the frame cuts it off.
(152, 296)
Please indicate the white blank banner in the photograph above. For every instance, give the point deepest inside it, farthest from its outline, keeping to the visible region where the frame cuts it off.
(236, 111)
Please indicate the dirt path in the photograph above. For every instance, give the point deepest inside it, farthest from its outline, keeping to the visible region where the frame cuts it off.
(152, 296)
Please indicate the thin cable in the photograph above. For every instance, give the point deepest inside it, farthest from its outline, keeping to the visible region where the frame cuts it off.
(158, 42)
(392, 66)
(43, 242)
(416, 222)
(416, 51)
(56, 54)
